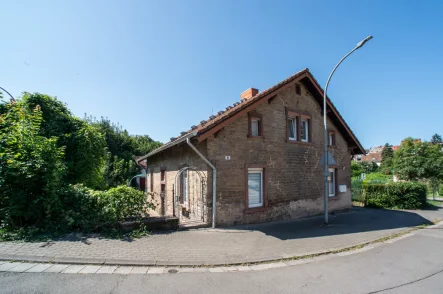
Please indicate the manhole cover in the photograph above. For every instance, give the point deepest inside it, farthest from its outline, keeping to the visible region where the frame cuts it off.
(173, 271)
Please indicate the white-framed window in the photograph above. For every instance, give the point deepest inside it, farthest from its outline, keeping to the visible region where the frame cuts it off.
(331, 182)
(255, 187)
(304, 130)
(255, 126)
(292, 129)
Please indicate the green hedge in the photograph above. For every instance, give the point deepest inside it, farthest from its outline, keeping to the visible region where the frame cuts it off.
(403, 195)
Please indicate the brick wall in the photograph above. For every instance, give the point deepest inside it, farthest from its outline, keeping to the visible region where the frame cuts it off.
(293, 171)
(172, 160)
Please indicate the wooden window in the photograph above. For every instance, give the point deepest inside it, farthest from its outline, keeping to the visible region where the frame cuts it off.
(298, 127)
(255, 125)
(162, 175)
(331, 138)
(332, 182)
(297, 89)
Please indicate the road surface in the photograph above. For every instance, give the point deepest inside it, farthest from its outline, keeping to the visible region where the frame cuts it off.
(410, 265)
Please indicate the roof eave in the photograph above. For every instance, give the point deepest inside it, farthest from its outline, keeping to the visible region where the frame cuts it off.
(168, 145)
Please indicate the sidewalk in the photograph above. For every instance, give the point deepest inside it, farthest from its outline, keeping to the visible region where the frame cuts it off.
(234, 245)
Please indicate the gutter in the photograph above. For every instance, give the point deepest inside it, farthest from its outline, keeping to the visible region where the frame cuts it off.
(214, 180)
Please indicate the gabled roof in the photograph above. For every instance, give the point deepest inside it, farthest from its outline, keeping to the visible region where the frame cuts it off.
(208, 127)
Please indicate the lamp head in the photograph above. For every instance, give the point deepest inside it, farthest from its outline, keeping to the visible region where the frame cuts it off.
(361, 43)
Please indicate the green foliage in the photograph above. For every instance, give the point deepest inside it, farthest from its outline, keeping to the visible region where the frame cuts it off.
(379, 178)
(409, 160)
(123, 202)
(356, 169)
(436, 139)
(121, 150)
(51, 160)
(387, 159)
(31, 167)
(356, 188)
(401, 195)
(84, 145)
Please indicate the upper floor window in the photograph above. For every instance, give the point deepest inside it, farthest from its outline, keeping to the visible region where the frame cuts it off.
(255, 125)
(305, 130)
(297, 89)
(298, 126)
(292, 128)
(331, 139)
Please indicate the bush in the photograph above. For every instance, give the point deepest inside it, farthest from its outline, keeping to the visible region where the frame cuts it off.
(123, 202)
(377, 178)
(406, 195)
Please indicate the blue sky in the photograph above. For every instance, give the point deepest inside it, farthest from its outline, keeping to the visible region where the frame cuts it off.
(158, 67)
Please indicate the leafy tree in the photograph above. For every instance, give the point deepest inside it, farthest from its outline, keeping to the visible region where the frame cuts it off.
(409, 160)
(84, 145)
(436, 139)
(356, 169)
(387, 159)
(31, 167)
(121, 150)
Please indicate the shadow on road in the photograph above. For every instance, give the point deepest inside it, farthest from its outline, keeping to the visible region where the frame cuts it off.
(357, 221)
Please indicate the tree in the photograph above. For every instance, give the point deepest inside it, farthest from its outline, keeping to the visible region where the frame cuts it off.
(84, 145)
(387, 159)
(356, 169)
(121, 150)
(409, 160)
(31, 167)
(436, 139)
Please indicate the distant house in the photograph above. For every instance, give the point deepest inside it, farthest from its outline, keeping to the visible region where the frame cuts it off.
(257, 160)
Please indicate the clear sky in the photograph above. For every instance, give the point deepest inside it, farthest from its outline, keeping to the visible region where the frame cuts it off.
(158, 67)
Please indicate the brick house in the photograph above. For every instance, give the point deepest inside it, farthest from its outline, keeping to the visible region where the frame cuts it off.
(265, 151)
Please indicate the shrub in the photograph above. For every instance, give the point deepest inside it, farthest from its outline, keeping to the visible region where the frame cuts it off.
(123, 202)
(377, 178)
(405, 195)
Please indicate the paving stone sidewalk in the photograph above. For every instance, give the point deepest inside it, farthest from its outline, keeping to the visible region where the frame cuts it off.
(233, 245)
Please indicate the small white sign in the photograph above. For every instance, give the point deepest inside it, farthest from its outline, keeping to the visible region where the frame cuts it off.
(342, 188)
(227, 157)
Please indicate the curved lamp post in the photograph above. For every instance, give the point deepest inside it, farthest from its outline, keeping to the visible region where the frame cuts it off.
(326, 169)
(7, 93)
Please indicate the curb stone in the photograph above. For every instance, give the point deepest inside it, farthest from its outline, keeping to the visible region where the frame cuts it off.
(104, 267)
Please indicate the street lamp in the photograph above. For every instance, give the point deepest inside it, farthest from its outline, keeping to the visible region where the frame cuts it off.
(326, 169)
(7, 93)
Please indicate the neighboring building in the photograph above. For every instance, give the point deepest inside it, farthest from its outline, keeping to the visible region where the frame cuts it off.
(372, 155)
(266, 149)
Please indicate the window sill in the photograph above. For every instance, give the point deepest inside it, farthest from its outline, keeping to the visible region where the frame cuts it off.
(255, 209)
(336, 197)
(256, 137)
(298, 142)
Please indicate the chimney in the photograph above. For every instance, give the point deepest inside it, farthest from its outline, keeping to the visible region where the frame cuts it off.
(249, 93)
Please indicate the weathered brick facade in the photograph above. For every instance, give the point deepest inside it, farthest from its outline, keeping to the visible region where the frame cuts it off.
(292, 170)
(293, 174)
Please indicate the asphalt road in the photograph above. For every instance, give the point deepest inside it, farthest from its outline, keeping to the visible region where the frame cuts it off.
(411, 265)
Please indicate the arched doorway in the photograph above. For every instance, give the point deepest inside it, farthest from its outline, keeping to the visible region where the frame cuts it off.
(190, 196)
